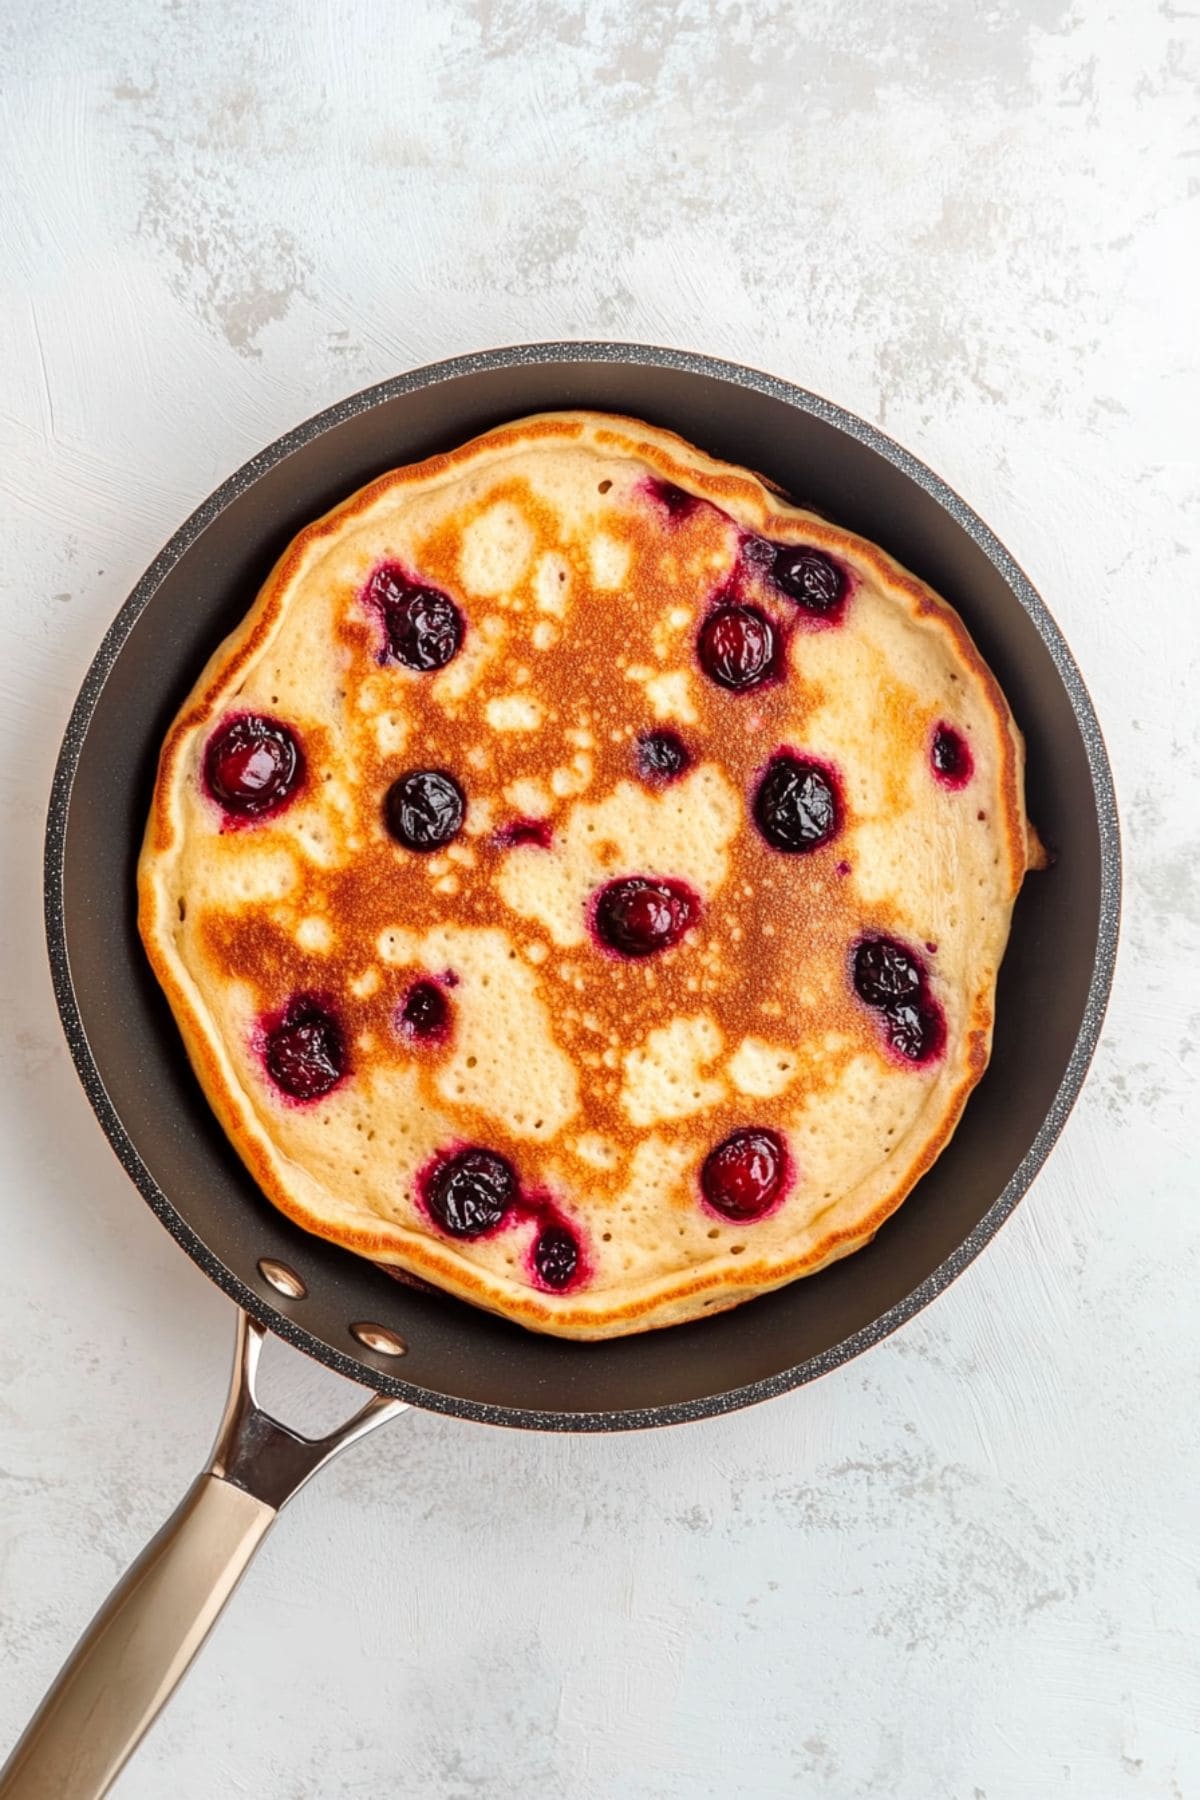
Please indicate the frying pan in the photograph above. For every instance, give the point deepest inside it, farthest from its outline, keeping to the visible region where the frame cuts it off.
(425, 1349)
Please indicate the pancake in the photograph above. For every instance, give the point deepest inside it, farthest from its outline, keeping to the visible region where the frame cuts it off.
(581, 880)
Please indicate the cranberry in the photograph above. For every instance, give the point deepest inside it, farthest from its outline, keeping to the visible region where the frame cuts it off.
(736, 647)
(642, 914)
(916, 1028)
(423, 629)
(662, 756)
(809, 577)
(305, 1050)
(424, 1013)
(556, 1257)
(525, 831)
(744, 1175)
(253, 765)
(425, 809)
(884, 971)
(796, 806)
(889, 976)
(676, 501)
(470, 1191)
(951, 757)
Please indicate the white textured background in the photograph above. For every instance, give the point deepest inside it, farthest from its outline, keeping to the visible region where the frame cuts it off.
(964, 1567)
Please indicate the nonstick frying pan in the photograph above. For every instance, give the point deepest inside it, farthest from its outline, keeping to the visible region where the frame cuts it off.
(425, 1349)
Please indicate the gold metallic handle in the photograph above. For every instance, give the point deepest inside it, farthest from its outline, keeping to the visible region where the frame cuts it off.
(143, 1639)
(138, 1646)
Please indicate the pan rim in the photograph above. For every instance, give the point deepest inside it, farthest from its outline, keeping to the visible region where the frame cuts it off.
(535, 354)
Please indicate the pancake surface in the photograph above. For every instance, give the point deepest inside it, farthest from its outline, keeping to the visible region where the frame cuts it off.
(581, 880)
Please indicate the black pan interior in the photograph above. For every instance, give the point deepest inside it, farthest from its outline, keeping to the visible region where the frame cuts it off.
(1053, 986)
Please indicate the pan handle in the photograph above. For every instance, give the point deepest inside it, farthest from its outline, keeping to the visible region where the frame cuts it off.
(130, 1659)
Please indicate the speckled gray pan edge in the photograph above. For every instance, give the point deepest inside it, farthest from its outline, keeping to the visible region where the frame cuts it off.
(368, 1372)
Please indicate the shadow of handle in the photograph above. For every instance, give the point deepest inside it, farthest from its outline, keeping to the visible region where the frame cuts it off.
(141, 1643)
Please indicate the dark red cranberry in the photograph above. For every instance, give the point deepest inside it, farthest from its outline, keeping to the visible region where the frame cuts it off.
(744, 1176)
(556, 1257)
(809, 577)
(796, 806)
(525, 831)
(951, 757)
(425, 809)
(916, 1028)
(891, 977)
(662, 756)
(305, 1050)
(758, 553)
(884, 971)
(642, 914)
(469, 1192)
(424, 1013)
(253, 765)
(736, 647)
(423, 629)
(676, 501)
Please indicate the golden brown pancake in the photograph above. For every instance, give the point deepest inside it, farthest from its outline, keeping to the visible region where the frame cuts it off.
(581, 880)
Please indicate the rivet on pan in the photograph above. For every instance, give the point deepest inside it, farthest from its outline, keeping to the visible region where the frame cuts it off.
(282, 1279)
(378, 1337)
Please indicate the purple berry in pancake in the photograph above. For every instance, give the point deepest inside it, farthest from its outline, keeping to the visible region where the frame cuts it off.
(811, 579)
(676, 502)
(556, 1257)
(916, 1029)
(253, 765)
(424, 810)
(893, 980)
(746, 1174)
(661, 757)
(797, 805)
(885, 971)
(950, 756)
(424, 1015)
(640, 915)
(422, 627)
(737, 647)
(304, 1049)
(469, 1191)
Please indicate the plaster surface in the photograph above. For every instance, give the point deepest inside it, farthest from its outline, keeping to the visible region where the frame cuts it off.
(964, 1567)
